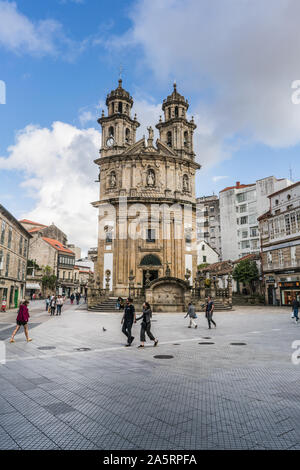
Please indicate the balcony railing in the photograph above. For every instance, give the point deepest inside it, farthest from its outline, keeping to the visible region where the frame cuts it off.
(284, 265)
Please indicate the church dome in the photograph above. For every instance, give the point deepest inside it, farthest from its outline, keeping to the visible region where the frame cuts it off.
(119, 94)
(175, 98)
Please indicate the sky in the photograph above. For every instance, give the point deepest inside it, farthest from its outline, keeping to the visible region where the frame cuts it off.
(234, 60)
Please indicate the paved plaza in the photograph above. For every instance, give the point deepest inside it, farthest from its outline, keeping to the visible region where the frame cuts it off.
(56, 394)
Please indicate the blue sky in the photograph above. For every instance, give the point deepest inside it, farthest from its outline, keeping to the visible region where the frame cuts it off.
(234, 61)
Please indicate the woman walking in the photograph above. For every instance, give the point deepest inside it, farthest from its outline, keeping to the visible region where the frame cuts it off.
(22, 320)
(146, 325)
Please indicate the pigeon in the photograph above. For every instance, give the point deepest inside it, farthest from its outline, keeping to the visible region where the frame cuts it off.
(103, 328)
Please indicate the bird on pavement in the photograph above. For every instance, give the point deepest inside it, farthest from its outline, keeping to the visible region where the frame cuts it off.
(103, 328)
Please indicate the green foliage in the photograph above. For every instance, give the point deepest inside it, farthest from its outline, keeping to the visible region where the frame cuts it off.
(31, 266)
(246, 271)
(49, 279)
(207, 282)
(202, 266)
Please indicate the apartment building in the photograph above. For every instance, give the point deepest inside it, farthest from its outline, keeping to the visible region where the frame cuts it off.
(240, 207)
(280, 246)
(208, 222)
(14, 241)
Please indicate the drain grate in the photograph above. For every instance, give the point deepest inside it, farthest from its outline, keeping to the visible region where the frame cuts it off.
(206, 342)
(238, 344)
(82, 349)
(163, 356)
(46, 348)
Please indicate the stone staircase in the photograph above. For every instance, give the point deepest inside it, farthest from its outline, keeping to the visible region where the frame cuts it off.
(219, 306)
(108, 305)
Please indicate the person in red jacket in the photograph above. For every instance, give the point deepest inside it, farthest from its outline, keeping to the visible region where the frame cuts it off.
(22, 320)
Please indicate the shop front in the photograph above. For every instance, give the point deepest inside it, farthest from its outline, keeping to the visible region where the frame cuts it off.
(288, 291)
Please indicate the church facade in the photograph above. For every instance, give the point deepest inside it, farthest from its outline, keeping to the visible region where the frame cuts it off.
(147, 204)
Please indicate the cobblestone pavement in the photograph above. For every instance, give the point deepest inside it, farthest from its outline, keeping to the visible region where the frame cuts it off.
(207, 396)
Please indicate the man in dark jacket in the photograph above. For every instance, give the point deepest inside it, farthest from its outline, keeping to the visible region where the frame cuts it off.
(209, 311)
(127, 320)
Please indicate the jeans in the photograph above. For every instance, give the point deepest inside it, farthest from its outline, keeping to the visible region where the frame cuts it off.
(296, 313)
(58, 309)
(209, 318)
(145, 328)
(126, 329)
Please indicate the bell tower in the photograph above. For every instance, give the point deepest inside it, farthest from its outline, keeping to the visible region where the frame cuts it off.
(118, 128)
(176, 131)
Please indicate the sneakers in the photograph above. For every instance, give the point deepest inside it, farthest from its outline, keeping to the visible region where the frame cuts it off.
(155, 342)
(140, 346)
(127, 345)
(196, 326)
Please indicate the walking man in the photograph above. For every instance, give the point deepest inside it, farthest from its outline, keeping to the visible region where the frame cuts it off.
(295, 309)
(209, 311)
(192, 314)
(127, 320)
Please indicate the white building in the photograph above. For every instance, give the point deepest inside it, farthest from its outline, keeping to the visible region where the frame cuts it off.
(208, 221)
(240, 206)
(205, 253)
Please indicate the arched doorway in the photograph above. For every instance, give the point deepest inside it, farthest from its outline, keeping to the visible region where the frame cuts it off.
(150, 265)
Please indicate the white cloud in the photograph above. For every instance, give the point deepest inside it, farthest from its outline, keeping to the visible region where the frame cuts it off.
(44, 37)
(219, 178)
(243, 56)
(59, 172)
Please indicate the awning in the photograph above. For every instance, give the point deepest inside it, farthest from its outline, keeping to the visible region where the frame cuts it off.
(32, 285)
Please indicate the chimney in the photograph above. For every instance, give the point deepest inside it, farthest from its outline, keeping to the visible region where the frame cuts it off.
(238, 184)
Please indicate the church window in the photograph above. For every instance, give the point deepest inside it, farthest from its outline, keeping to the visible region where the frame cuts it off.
(151, 260)
(176, 111)
(127, 135)
(120, 107)
(111, 131)
(169, 138)
(185, 138)
(150, 235)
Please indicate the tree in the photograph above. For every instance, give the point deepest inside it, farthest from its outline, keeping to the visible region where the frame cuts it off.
(246, 271)
(48, 279)
(202, 266)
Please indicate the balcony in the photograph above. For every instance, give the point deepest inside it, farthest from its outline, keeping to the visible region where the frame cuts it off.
(284, 265)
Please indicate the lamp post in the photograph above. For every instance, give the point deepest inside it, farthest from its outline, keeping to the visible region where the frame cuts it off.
(131, 278)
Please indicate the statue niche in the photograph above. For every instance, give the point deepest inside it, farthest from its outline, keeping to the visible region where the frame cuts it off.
(112, 182)
(150, 178)
(185, 183)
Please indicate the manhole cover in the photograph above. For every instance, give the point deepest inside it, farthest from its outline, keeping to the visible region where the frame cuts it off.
(82, 349)
(163, 356)
(206, 342)
(46, 348)
(238, 344)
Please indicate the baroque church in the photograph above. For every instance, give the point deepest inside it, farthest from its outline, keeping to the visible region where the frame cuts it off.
(143, 184)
